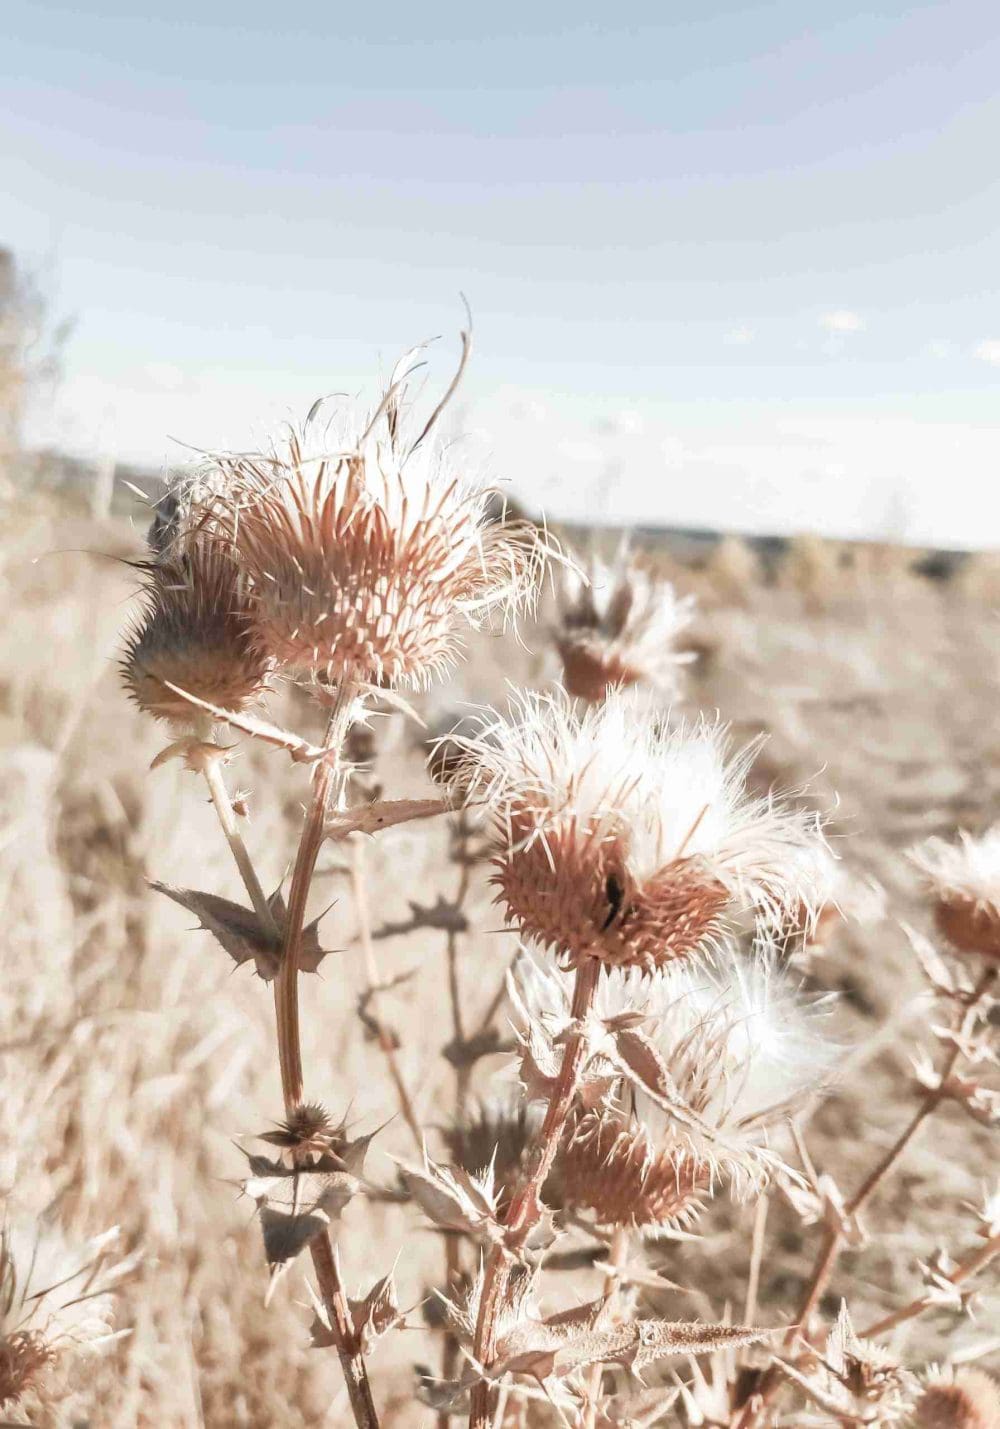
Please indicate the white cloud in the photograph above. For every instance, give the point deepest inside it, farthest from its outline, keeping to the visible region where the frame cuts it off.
(738, 337)
(939, 349)
(989, 351)
(842, 321)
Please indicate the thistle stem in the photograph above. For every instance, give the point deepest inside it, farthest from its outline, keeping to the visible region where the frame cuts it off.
(835, 1237)
(525, 1207)
(452, 1245)
(212, 771)
(328, 784)
(963, 1271)
(324, 1261)
(211, 768)
(327, 781)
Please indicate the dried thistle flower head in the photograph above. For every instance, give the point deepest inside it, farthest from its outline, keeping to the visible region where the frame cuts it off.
(622, 840)
(611, 1167)
(195, 631)
(619, 626)
(739, 1045)
(56, 1301)
(958, 1399)
(855, 1381)
(964, 881)
(368, 550)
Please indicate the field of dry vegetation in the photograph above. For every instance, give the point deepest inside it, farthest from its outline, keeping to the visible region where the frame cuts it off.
(138, 1060)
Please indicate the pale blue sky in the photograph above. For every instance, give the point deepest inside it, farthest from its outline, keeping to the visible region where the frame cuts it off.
(729, 264)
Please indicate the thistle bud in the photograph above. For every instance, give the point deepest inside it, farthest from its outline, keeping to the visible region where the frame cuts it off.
(619, 626)
(196, 632)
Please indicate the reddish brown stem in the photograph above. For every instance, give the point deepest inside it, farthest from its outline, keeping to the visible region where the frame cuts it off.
(525, 1207)
(963, 1271)
(326, 781)
(452, 1246)
(324, 1261)
(835, 1237)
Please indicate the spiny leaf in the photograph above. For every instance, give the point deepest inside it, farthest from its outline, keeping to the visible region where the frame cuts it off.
(451, 1198)
(382, 814)
(575, 1340)
(295, 1204)
(375, 1313)
(238, 929)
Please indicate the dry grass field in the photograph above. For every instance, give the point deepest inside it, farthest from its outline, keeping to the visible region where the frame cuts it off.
(136, 1061)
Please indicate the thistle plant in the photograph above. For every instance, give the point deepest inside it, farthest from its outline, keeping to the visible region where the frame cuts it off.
(653, 1056)
(345, 559)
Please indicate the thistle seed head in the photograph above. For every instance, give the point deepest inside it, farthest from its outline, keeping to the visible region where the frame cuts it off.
(612, 1168)
(368, 552)
(619, 626)
(963, 879)
(620, 840)
(55, 1300)
(961, 1399)
(739, 1045)
(743, 1047)
(195, 631)
(24, 1355)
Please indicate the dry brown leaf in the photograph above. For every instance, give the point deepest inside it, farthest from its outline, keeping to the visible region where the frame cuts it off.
(382, 814)
(238, 930)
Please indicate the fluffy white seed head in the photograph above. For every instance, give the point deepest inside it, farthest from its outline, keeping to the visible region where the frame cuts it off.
(56, 1301)
(621, 839)
(964, 881)
(741, 1043)
(620, 626)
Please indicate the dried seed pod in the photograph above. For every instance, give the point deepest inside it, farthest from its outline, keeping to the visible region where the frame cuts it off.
(369, 552)
(734, 1044)
(24, 1355)
(623, 841)
(970, 927)
(963, 879)
(56, 1302)
(619, 626)
(610, 1167)
(195, 632)
(963, 1399)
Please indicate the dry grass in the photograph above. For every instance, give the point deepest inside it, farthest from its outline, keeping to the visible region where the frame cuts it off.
(134, 1056)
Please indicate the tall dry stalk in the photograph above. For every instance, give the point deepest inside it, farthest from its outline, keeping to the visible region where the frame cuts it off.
(349, 573)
